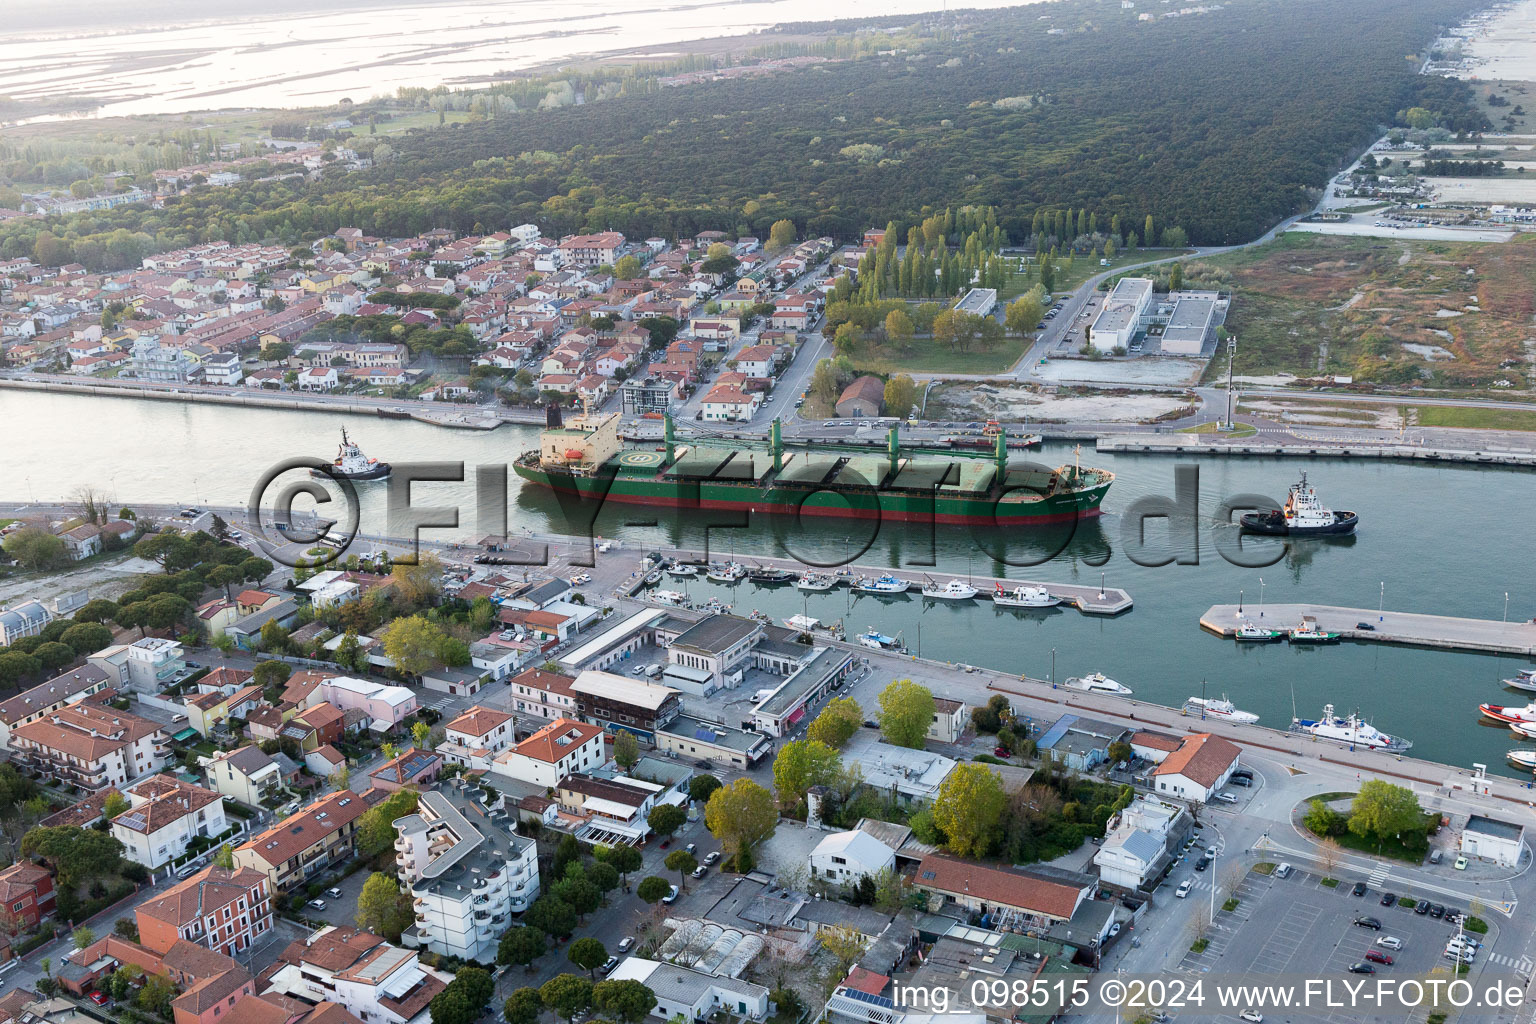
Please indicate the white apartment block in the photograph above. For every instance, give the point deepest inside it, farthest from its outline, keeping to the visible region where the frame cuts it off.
(374, 981)
(163, 818)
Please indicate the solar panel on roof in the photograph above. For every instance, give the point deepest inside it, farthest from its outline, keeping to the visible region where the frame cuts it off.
(865, 997)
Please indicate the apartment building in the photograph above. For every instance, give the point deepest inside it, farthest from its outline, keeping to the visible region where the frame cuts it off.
(322, 834)
(164, 817)
(545, 694)
(219, 909)
(467, 870)
(559, 749)
(619, 702)
(479, 731)
(91, 747)
(60, 691)
(378, 983)
(247, 775)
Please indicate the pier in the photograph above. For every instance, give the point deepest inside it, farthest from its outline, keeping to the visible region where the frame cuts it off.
(1193, 444)
(1086, 598)
(1442, 631)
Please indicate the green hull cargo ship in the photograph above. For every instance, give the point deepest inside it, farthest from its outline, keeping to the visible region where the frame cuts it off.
(588, 459)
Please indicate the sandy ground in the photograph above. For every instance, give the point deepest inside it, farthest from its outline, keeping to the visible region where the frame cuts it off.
(1505, 48)
(102, 580)
(1384, 417)
(986, 401)
(1149, 370)
(1365, 225)
(1493, 190)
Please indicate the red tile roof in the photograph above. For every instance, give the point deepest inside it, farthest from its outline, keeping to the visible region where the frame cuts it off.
(997, 885)
(1201, 758)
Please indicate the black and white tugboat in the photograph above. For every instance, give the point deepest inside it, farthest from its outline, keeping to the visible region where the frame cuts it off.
(1302, 516)
(350, 462)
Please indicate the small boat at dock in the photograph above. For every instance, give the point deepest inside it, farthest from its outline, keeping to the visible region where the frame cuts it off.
(815, 582)
(1524, 759)
(880, 642)
(954, 590)
(682, 570)
(653, 577)
(726, 572)
(1525, 730)
(1525, 680)
(1098, 682)
(1023, 597)
(881, 585)
(1508, 713)
(1310, 633)
(675, 598)
(1248, 633)
(769, 574)
(1353, 730)
(1219, 708)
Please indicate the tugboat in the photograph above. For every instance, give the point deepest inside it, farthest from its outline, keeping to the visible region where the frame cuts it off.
(1222, 709)
(350, 462)
(954, 590)
(1353, 730)
(1023, 597)
(881, 585)
(1309, 633)
(1098, 682)
(1248, 633)
(1302, 516)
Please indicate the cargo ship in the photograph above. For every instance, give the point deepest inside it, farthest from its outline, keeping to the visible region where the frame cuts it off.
(586, 457)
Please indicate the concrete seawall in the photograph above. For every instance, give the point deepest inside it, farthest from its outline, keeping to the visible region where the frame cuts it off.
(1141, 444)
(1411, 628)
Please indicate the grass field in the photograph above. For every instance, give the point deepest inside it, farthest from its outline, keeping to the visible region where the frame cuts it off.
(1083, 267)
(925, 356)
(1476, 419)
(1315, 305)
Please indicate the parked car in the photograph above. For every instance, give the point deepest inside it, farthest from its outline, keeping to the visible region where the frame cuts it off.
(1226, 798)
(670, 897)
(1436, 910)
(1242, 780)
(1390, 942)
(1422, 907)
(871, 725)
(1202, 863)
(1114, 929)
(99, 998)
(580, 579)
(1376, 956)
(316, 904)
(1359, 889)
(334, 893)
(1388, 899)
(713, 856)
(1283, 871)
(626, 944)
(700, 871)
(1183, 889)
(1368, 922)
(691, 847)
(1461, 863)
(1252, 1016)
(613, 962)
(1365, 626)
(1361, 968)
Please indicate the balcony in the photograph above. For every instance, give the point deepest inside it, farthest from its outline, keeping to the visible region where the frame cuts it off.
(401, 843)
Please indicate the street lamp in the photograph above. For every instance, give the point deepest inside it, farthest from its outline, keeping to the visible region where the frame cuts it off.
(1382, 603)
(1239, 603)
(1261, 597)
(1053, 667)
(1101, 586)
(1231, 353)
(1506, 607)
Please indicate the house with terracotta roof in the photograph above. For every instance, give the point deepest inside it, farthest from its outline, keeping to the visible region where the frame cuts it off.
(62, 690)
(411, 767)
(26, 896)
(479, 734)
(163, 818)
(307, 842)
(1202, 765)
(1017, 898)
(208, 711)
(358, 970)
(728, 402)
(555, 751)
(90, 746)
(315, 726)
(219, 909)
(864, 397)
(324, 761)
(544, 694)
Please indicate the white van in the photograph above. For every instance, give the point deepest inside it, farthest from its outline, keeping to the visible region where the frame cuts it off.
(653, 670)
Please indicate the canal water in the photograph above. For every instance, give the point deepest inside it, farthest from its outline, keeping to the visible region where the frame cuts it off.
(1450, 540)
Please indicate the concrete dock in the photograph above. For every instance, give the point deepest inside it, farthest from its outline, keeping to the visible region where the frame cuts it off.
(1086, 598)
(1393, 627)
(1196, 444)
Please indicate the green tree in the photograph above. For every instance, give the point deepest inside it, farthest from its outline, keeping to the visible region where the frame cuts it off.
(665, 819)
(898, 327)
(383, 908)
(906, 712)
(603, 875)
(1322, 820)
(552, 916)
(412, 643)
(86, 637)
(625, 859)
(54, 656)
(1024, 313)
(969, 808)
(682, 862)
(523, 1006)
(652, 888)
(36, 549)
(114, 804)
(376, 828)
(741, 815)
(274, 637)
(83, 937)
(900, 395)
(626, 749)
(420, 732)
(566, 994)
(97, 610)
(801, 764)
(156, 995)
(589, 953)
(579, 894)
(77, 855)
(702, 787)
(627, 268)
(225, 858)
(1383, 811)
(627, 1001)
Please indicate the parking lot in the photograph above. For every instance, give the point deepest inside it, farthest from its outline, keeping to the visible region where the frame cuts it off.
(1299, 926)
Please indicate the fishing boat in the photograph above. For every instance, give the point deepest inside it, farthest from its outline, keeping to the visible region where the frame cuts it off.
(804, 623)
(1248, 633)
(672, 597)
(881, 585)
(1309, 633)
(1098, 682)
(681, 570)
(351, 463)
(725, 572)
(769, 574)
(954, 590)
(1525, 759)
(1526, 680)
(653, 577)
(1508, 713)
(1221, 709)
(816, 582)
(1353, 730)
(880, 642)
(714, 606)
(1023, 597)
(1303, 515)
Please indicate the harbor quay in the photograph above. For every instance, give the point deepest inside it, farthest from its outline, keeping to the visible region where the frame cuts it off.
(1393, 627)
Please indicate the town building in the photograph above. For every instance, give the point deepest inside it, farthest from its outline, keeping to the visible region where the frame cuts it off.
(247, 775)
(378, 983)
(1122, 314)
(26, 896)
(620, 702)
(846, 857)
(467, 870)
(695, 738)
(559, 749)
(1202, 765)
(306, 843)
(479, 730)
(220, 909)
(1014, 898)
(411, 767)
(693, 995)
(91, 747)
(863, 398)
(719, 647)
(44, 698)
(615, 809)
(163, 818)
(1492, 839)
(209, 711)
(948, 720)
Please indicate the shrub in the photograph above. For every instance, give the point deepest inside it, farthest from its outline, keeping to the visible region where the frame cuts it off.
(1475, 924)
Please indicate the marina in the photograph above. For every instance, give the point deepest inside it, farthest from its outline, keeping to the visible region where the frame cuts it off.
(1394, 627)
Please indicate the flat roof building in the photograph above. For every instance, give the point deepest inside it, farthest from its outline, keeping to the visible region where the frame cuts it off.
(1121, 316)
(978, 302)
